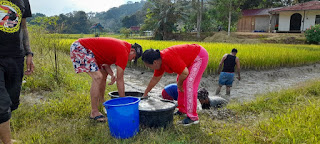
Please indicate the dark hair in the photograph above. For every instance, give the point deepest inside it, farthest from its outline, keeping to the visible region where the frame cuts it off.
(138, 50)
(150, 55)
(234, 50)
(203, 94)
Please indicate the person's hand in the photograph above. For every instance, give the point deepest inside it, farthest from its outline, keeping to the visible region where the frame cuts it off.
(239, 78)
(30, 66)
(180, 87)
(113, 79)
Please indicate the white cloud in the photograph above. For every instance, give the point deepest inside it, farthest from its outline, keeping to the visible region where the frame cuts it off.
(56, 7)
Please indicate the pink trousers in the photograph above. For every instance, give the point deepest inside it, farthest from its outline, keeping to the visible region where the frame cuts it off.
(187, 100)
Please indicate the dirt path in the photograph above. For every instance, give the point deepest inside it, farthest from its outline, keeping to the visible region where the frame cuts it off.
(251, 84)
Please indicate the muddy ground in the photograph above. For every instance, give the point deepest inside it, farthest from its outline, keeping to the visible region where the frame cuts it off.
(252, 83)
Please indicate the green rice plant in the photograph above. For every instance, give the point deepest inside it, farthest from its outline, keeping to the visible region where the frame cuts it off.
(252, 56)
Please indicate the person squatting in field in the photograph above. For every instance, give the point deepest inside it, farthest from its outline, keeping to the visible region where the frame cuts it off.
(189, 61)
(170, 92)
(94, 56)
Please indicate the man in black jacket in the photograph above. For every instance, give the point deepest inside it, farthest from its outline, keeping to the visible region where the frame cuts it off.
(14, 46)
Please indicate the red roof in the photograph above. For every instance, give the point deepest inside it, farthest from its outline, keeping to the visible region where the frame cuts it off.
(257, 12)
(312, 5)
(135, 28)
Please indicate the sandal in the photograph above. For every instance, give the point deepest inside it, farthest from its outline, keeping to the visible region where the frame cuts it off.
(99, 117)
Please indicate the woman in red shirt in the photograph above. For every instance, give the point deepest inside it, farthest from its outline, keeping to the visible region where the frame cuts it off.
(189, 61)
(94, 56)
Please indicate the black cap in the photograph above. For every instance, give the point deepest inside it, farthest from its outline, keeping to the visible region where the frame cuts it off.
(234, 50)
(139, 51)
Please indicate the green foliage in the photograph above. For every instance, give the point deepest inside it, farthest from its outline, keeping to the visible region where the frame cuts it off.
(76, 22)
(220, 12)
(49, 23)
(126, 32)
(208, 23)
(111, 19)
(34, 16)
(313, 34)
(129, 21)
(162, 18)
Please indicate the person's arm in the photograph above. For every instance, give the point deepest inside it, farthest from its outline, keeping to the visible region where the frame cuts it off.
(181, 78)
(26, 46)
(120, 81)
(154, 80)
(110, 72)
(221, 63)
(238, 68)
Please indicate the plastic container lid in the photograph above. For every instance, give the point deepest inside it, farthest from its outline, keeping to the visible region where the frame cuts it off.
(156, 104)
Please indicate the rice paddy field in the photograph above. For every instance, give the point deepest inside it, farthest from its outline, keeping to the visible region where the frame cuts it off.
(252, 56)
(55, 102)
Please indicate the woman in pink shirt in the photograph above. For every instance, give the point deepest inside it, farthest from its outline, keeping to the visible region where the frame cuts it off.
(189, 61)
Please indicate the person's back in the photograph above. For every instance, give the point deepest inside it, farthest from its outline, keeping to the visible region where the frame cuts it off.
(229, 63)
(217, 102)
(170, 92)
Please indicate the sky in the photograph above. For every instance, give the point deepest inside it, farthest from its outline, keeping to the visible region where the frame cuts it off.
(56, 7)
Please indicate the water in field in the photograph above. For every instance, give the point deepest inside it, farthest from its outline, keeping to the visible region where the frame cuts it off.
(251, 84)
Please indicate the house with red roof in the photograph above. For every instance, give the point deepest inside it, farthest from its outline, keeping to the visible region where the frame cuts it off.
(299, 17)
(296, 18)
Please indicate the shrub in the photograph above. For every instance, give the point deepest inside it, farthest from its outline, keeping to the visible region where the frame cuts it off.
(125, 32)
(313, 34)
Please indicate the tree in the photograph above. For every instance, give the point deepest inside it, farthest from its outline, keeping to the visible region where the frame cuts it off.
(35, 16)
(76, 22)
(110, 19)
(198, 6)
(227, 9)
(129, 21)
(162, 18)
(81, 22)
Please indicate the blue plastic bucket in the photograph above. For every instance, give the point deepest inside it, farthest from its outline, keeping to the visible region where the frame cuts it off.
(123, 116)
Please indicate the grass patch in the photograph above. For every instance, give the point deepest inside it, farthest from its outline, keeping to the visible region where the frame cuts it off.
(289, 116)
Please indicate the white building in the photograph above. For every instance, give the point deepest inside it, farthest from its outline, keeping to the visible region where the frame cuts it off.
(298, 17)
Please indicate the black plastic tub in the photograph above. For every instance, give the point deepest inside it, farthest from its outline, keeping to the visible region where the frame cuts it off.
(159, 117)
(115, 94)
